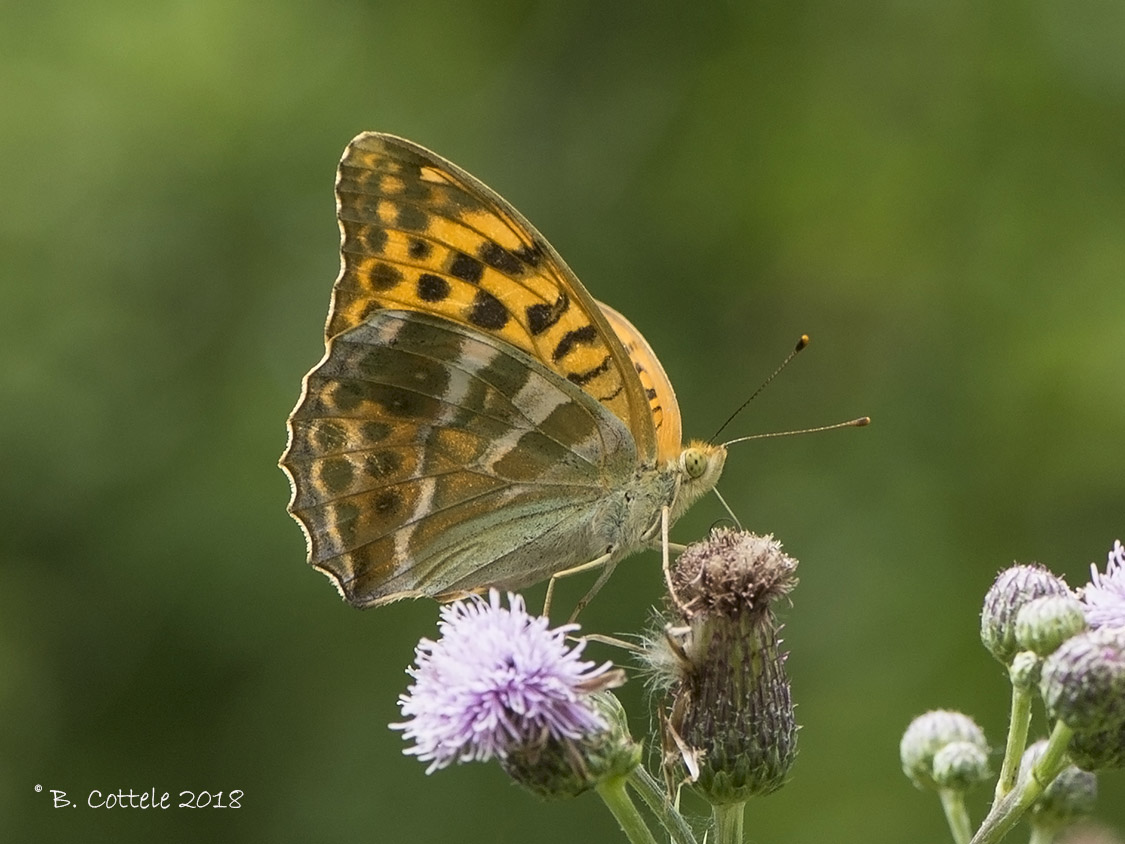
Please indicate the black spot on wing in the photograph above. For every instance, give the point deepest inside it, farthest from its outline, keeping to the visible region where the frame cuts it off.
(432, 288)
(384, 276)
(388, 503)
(530, 254)
(585, 334)
(497, 257)
(488, 312)
(466, 268)
(418, 249)
(373, 239)
(583, 378)
(374, 430)
(542, 316)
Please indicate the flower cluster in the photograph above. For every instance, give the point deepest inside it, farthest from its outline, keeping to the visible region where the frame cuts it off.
(1069, 648)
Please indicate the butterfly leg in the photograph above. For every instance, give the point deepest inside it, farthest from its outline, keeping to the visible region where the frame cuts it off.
(666, 567)
(673, 547)
(594, 590)
(600, 561)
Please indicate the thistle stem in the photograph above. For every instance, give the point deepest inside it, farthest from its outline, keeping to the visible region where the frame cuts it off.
(653, 796)
(1006, 811)
(728, 822)
(953, 802)
(1017, 739)
(613, 794)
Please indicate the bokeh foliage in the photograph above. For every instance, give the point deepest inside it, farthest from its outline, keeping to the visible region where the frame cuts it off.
(934, 192)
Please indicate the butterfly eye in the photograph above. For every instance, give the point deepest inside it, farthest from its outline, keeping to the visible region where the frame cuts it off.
(694, 462)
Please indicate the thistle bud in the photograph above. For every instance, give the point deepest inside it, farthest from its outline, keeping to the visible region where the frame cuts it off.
(1045, 623)
(1069, 797)
(1013, 588)
(927, 735)
(960, 765)
(731, 715)
(1098, 750)
(557, 768)
(1024, 670)
(1083, 682)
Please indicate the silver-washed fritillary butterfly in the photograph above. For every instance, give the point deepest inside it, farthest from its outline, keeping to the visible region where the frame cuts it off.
(477, 419)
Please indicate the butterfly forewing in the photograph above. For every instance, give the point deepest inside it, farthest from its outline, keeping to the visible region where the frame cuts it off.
(419, 233)
(428, 458)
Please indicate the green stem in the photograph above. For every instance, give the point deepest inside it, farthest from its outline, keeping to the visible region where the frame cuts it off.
(953, 802)
(1008, 810)
(653, 796)
(1017, 740)
(613, 794)
(728, 822)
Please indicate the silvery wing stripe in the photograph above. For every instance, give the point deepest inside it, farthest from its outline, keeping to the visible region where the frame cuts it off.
(462, 376)
(403, 558)
(536, 400)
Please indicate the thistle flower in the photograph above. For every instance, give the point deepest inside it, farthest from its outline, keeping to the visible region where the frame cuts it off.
(1104, 596)
(730, 712)
(1014, 587)
(498, 679)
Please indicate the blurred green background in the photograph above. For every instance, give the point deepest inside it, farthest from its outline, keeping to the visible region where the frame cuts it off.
(934, 192)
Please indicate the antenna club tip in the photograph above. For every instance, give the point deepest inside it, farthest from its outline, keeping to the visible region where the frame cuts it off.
(801, 343)
(862, 421)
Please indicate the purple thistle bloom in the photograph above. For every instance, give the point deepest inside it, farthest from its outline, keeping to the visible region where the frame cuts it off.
(495, 679)
(1104, 596)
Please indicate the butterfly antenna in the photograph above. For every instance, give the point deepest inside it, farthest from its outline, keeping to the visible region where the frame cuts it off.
(804, 341)
(851, 423)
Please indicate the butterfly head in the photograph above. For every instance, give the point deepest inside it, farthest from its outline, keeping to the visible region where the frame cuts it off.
(700, 465)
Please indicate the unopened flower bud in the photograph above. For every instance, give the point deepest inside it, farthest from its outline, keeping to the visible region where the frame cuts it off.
(1045, 623)
(556, 768)
(1083, 682)
(1069, 797)
(1013, 588)
(730, 711)
(960, 765)
(928, 734)
(1024, 670)
(1098, 750)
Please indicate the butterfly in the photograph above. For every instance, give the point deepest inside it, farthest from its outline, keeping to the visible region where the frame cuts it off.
(477, 419)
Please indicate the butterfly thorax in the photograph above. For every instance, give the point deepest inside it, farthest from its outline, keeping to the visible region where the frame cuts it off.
(631, 516)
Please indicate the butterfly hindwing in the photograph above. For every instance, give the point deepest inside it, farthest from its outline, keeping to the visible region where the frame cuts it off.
(427, 458)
